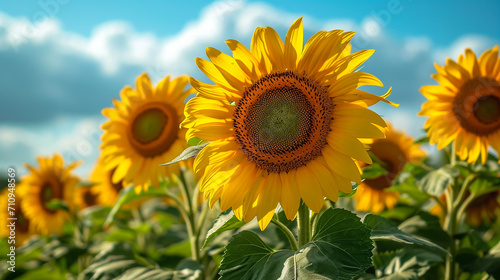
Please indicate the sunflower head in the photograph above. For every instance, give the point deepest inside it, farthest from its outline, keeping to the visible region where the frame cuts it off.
(85, 196)
(394, 152)
(143, 131)
(51, 180)
(465, 106)
(24, 226)
(283, 121)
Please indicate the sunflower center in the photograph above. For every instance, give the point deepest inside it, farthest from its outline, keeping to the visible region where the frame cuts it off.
(22, 224)
(47, 193)
(149, 125)
(153, 129)
(89, 198)
(282, 121)
(393, 160)
(487, 109)
(477, 106)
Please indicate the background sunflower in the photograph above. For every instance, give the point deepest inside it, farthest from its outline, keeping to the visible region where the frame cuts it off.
(465, 106)
(24, 226)
(52, 180)
(283, 120)
(143, 132)
(394, 152)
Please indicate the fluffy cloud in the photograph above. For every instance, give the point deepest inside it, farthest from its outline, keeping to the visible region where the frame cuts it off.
(56, 82)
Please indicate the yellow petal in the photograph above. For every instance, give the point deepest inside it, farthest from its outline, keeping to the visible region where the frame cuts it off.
(269, 200)
(290, 196)
(293, 44)
(325, 179)
(310, 189)
(274, 46)
(349, 146)
(245, 59)
(341, 164)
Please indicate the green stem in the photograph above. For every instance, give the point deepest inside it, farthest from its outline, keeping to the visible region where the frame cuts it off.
(199, 227)
(453, 155)
(303, 224)
(287, 232)
(314, 221)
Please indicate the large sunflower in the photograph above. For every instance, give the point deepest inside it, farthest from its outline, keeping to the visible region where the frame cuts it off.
(51, 181)
(282, 121)
(143, 131)
(465, 106)
(23, 226)
(394, 152)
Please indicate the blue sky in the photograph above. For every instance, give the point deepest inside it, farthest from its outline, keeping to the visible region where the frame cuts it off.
(61, 61)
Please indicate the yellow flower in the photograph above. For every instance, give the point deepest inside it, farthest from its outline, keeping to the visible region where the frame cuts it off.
(107, 192)
(23, 226)
(282, 121)
(465, 106)
(394, 151)
(143, 131)
(85, 196)
(51, 181)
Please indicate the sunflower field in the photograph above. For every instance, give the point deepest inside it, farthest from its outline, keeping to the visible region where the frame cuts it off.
(277, 169)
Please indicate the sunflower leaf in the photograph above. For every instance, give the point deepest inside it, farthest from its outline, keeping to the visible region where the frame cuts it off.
(225, 221)
(340, 249)
(435, 182)
(189, 152)
(57, 204)
(373, 171)
(154, 273)
(384, 230)
(353, 192)
(404, 264)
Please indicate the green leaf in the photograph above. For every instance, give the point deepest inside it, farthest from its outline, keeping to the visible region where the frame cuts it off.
(435, 182)
(422, 140)
(426, 225)
(195, 141)
(224, 222)
(353, 192)
(470, 261)
(112, 262)
(384, 230)
(373, 171)
(485, 184)
(340, 249)
(189, 152)
(57, 204)
(408, 264)
(128, 195)
(154, 273)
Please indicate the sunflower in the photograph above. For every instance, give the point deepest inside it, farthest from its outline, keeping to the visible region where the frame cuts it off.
(23, 226)
(143, 131)
(107, 192)
(465, 106)
(85, 197)
(394, 152)
(282, 121)
(51, 181)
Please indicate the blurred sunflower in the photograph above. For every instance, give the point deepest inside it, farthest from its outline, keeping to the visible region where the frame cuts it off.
(24, 227)
(282, 121)
(465, 106)
(143, 131)
(85, 196)
(394, 152)
(484, 208)
(51, 181)
(107, 192)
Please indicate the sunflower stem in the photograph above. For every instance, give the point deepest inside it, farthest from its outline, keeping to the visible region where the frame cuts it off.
(453, 155)
(287, 232)
(303, 224)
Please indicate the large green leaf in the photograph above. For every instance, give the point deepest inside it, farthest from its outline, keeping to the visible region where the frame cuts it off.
(224, 222)
(154, 273)
(384, 230)
(408, 264)
(470, 261)
(340, 249)
(426, 225)
(189, 152)
(112, 262)
(372, 171)
(435, 182)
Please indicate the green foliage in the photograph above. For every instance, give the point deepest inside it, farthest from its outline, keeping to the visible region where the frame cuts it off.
(435, 182)
(224, 222)
(373, 171)
(339, 249)
(407, 264)
(189, 152)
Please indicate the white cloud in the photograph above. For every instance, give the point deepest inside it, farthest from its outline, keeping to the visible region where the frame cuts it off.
(58, 81)
(477, 43)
